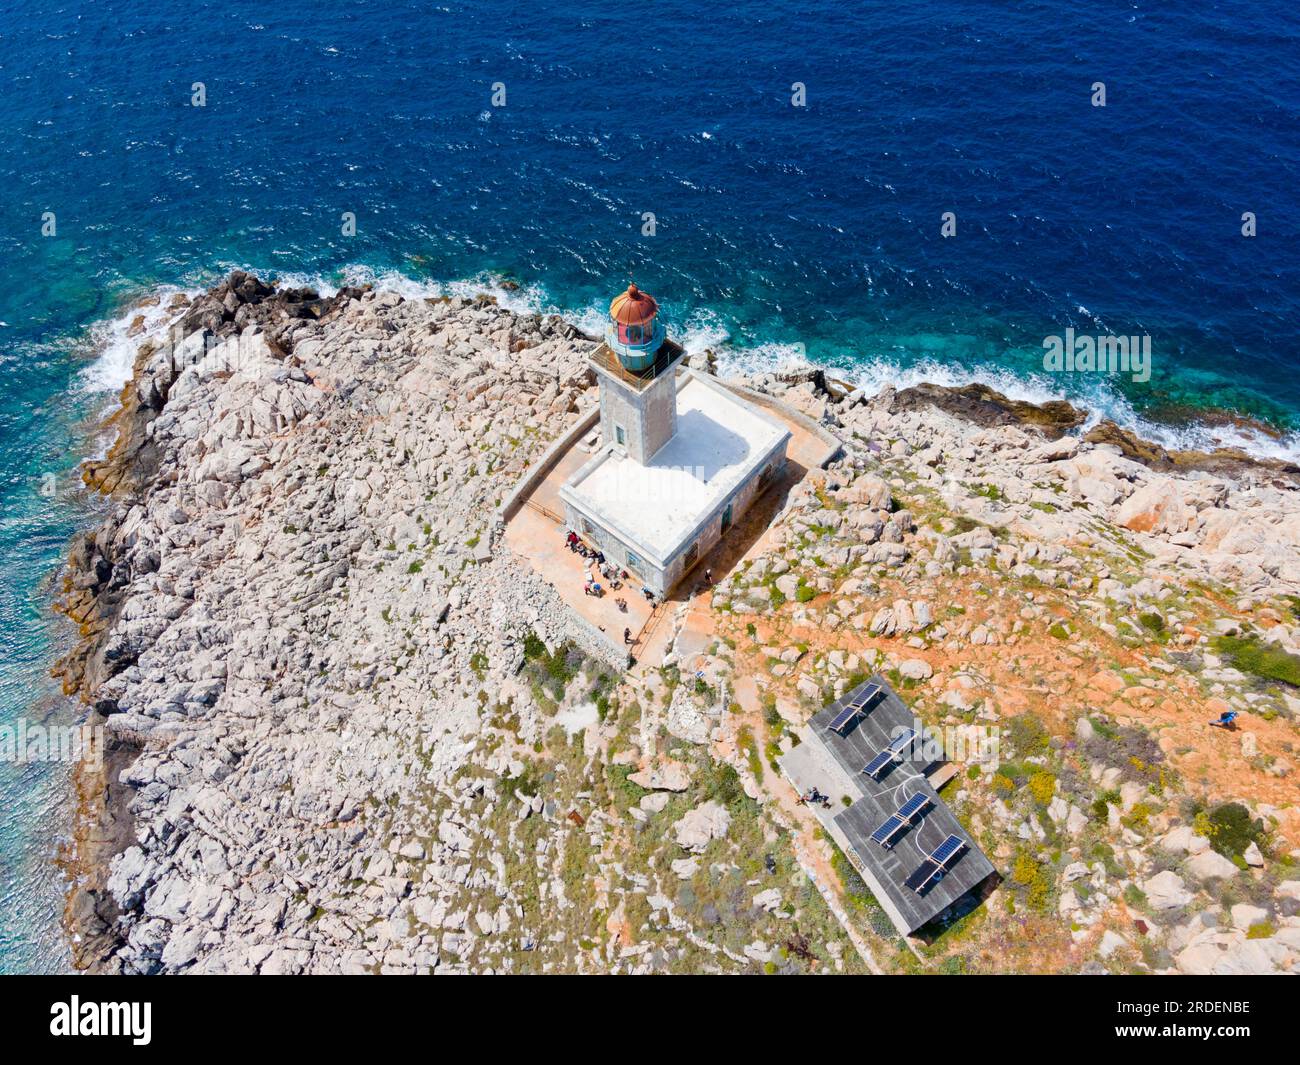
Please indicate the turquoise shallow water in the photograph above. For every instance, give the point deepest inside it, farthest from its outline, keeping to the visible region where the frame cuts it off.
(782, 233)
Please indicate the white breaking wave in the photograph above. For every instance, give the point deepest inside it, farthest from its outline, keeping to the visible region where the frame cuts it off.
(519, 299)
(1100, 401)
(703, 330)
(116, 344)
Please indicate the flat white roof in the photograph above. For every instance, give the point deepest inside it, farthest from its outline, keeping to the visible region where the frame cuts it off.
(656, 508)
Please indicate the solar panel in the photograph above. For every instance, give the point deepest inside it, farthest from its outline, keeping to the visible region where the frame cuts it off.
(878, 763)
(868, 696)
(913, 806)
(857, 706)
(845, 718)
(885, 833)
(946, 850)
(928, 874)
(932, 870)
(901, 740)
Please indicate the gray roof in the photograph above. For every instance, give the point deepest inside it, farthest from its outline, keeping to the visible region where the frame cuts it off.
(886, 871)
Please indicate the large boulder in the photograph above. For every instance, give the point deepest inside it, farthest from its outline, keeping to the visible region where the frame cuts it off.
(664, 775)
(916, 669)
(1211, 865)
(868, 491)
(697, 829)
(1184, 840)
(1157, 507)
(1166, 891)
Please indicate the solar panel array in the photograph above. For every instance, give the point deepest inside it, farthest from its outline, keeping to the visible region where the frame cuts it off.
(889, 754)
(913, 806)
(900, 741)
(934, 867)
(871, 695)
(891, 828)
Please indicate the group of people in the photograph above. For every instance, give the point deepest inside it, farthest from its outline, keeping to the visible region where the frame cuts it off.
(599, 569)
(814, 798)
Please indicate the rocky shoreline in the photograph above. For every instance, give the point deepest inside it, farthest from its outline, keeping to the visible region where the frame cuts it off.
(324, 682)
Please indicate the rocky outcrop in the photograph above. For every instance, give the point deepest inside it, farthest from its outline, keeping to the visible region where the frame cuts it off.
(299, 486)
(332, 697)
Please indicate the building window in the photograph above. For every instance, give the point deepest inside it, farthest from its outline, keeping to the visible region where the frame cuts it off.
(692, 553)
(726, 518)
(588, 529)
(634, 563)
(631, 335)
(620, 437)
(766, 475)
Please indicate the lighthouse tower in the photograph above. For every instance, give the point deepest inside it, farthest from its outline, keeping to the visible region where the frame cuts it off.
(636, 367)
(655, 500)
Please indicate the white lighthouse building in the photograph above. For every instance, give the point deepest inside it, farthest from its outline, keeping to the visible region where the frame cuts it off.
(681, 456)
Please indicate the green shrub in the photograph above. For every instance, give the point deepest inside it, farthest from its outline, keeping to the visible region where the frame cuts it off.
(1139, 818)
(1032, 875)
(1152, 622)
(624, 792)
(1042, 786)
(721, 782)
(1230, 829)
(1251, 655)
(1028, 735)
(745, 740)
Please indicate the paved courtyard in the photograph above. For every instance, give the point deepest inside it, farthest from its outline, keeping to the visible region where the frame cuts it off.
(539, 538)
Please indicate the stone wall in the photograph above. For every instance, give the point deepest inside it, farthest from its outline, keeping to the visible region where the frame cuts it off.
(538, 471)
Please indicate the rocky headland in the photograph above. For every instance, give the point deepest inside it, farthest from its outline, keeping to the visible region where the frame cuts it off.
(350, 733)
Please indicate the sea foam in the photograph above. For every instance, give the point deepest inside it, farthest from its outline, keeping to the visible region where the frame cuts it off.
(704, 330)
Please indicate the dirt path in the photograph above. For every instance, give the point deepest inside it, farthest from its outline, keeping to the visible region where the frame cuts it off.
(781, 800)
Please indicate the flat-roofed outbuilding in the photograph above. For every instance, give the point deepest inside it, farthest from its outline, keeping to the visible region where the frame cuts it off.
(887, 870)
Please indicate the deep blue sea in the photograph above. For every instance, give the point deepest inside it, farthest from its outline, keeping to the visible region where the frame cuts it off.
(781, 232)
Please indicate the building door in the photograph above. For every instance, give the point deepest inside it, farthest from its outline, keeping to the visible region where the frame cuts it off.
(726, 518)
